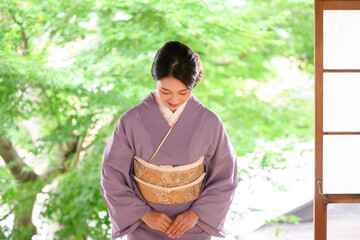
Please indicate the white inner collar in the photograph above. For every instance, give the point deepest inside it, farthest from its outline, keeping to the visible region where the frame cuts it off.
(169, 116)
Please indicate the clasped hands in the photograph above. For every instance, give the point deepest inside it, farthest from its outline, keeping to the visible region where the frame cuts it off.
(173, 228)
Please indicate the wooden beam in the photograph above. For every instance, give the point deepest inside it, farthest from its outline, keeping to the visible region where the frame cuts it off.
(341, 5)
(341, 70)
(319, 205)
(341, 198)
(341, 133)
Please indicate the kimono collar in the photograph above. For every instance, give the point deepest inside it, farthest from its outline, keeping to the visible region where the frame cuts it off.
(169, 116)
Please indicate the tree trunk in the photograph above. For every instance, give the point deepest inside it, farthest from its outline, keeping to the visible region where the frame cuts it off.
(23, 226)
(31, 184)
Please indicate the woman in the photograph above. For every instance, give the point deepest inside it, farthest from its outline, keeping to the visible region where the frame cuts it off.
(169, 169)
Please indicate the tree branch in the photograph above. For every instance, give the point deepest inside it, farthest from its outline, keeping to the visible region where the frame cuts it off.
(79, 148)
(74, 146)
(69, 151)
(66, 18)
(23, 33)
(50, 101)
(10, 155)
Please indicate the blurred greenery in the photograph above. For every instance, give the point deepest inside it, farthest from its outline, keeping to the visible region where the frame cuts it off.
(69, 69)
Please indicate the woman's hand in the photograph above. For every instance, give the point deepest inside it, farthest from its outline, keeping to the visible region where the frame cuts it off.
(157, 221)
(182, 223)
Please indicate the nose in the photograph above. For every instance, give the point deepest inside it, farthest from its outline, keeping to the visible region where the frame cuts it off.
(174, 99)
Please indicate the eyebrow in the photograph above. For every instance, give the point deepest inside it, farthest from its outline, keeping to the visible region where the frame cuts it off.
(170, 90)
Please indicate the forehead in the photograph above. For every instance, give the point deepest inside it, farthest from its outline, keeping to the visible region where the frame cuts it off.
(172, 84)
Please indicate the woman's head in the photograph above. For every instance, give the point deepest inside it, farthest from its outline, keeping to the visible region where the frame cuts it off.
(175, 71)
(176, 60)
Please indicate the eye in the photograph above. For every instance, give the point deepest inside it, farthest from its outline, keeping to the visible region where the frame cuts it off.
(183, 94)
(165, 93)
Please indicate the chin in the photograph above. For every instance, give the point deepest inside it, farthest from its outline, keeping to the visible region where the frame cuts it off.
(173, 109)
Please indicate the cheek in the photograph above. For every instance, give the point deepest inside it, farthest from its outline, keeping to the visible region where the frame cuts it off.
(185, 97)
(163, 97)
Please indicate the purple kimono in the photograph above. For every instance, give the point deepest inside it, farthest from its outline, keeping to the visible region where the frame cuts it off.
(198, 132)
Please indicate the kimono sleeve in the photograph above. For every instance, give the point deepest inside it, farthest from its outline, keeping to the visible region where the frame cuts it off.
(219, 187)
(124, 206)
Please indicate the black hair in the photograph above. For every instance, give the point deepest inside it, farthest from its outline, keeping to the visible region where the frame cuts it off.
(177, 60)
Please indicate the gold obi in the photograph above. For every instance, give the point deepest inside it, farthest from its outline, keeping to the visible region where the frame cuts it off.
(166, 184)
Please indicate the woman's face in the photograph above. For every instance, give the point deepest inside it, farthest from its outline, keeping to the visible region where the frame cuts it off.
(172, 92)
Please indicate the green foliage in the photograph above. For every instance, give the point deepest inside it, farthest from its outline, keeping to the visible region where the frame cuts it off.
(110, 46)
(291, 219)
(16, 198)
(77, 203)
(285, 219)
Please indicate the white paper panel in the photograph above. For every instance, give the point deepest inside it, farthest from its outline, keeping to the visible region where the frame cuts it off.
(341, 164)
(341, 39)
(341, 109)
(343, 221)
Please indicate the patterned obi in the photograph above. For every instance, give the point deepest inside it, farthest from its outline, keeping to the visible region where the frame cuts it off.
(166, 184)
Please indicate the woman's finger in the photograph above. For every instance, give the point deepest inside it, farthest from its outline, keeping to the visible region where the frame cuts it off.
(165, 225)
(174, 227)
(181, 231)
(167, 219)
(162, 229)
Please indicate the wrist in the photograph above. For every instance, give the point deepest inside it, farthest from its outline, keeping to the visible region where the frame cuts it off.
(146, 215)
(194, 213)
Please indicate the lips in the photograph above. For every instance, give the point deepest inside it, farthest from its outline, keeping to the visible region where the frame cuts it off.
(173, 105)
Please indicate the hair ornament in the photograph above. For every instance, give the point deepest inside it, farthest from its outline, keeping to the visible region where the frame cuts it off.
(199, 63)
